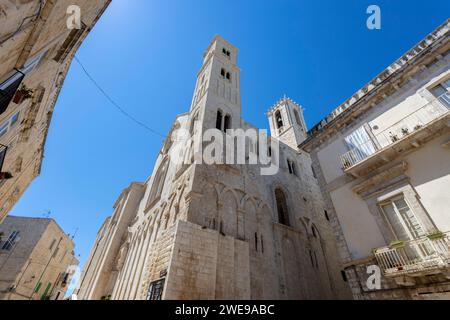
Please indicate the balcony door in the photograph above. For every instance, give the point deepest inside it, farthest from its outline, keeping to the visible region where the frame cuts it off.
(402, 219)
(360, 144)
(442, 93)
(406, 227)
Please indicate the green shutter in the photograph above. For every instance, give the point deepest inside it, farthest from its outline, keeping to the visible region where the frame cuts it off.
(44, 295)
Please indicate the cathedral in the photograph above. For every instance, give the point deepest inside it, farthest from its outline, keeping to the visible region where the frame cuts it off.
(199, 230)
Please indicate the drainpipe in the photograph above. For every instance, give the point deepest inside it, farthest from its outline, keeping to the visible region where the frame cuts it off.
(35, 33)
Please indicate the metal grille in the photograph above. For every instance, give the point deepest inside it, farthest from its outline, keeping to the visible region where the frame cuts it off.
(155, 291)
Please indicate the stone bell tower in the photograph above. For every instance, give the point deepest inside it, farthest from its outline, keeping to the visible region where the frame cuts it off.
(217, 96)
(287, 122)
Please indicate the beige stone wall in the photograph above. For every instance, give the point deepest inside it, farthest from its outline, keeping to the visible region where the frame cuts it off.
(212, 231)
(42, 254)
(46, 35)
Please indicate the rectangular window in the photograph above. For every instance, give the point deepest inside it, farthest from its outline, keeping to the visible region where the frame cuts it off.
(155, 291)
(52, 244)
(360, 144)
(402, 219)
(8, 89)
(442, 92)
(12, 239)
(8, 124)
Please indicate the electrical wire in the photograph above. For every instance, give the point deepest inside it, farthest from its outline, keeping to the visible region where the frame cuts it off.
(114, 103)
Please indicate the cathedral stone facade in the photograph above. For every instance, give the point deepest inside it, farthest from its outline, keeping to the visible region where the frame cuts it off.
(220, 231)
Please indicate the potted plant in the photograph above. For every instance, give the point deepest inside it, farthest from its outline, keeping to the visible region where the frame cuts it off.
(437, 235)
(24, 93)
(405, 131)
(347, 164)
(397, 244)
(417, 127)
(394, 138)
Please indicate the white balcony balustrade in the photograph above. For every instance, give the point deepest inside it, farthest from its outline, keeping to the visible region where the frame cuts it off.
(417, 257)
(405, 127)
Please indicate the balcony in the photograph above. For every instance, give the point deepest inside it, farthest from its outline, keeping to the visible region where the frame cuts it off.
(408, 133)
(419, 257)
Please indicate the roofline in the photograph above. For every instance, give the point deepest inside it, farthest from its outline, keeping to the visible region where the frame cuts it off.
(373, 86)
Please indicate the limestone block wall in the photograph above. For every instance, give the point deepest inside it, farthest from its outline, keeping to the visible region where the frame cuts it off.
(207, 265)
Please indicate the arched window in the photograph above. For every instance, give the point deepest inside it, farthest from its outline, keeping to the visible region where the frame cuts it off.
(278, 119)
(158, 181)
(297, 117)
(228, 76)
(227, 123)
(222, 72)
(219, 120)
(283, 215)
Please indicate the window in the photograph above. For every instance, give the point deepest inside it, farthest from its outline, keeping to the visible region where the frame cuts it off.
(326, 215)
(360, 144)
(223, 73)
(278, 119)
(158, 181)
(228, 76)
(442, 92)
(52, 244)
(283, 216)
(297, 117)
(227, 123)
(402, 219)
(219, 120)
(12, 240)
(156, 289)
(344, 276)
(8, 124)
(292, 168)
(8, 89)
(256, 241)
(226, 52)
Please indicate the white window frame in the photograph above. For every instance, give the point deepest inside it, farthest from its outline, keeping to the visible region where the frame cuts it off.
(399, 216)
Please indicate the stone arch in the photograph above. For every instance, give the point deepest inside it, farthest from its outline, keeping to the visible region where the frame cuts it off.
(208, 206)
(228, 206)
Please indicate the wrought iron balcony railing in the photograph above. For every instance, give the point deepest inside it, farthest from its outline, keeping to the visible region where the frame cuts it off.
(415, 256)
(401, 129)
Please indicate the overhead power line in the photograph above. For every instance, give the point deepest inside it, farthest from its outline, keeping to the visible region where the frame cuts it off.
(115, 104)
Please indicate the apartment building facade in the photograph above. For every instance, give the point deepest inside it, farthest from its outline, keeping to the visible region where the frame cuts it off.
(383, 163)
(37, 259)
(36, 49)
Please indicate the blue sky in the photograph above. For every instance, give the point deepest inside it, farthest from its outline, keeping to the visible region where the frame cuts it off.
(146, 54)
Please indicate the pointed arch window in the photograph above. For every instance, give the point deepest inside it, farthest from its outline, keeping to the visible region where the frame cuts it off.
(158, 181)
(219, 120)
(227, 123)
(279, 120)
(283, 215)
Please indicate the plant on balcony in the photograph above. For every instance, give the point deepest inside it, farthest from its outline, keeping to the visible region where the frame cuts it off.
(24, 93)
(436, 235)
(405, 131)
(346, 164)
(418, 127)
(397, 244)
(394, 137)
